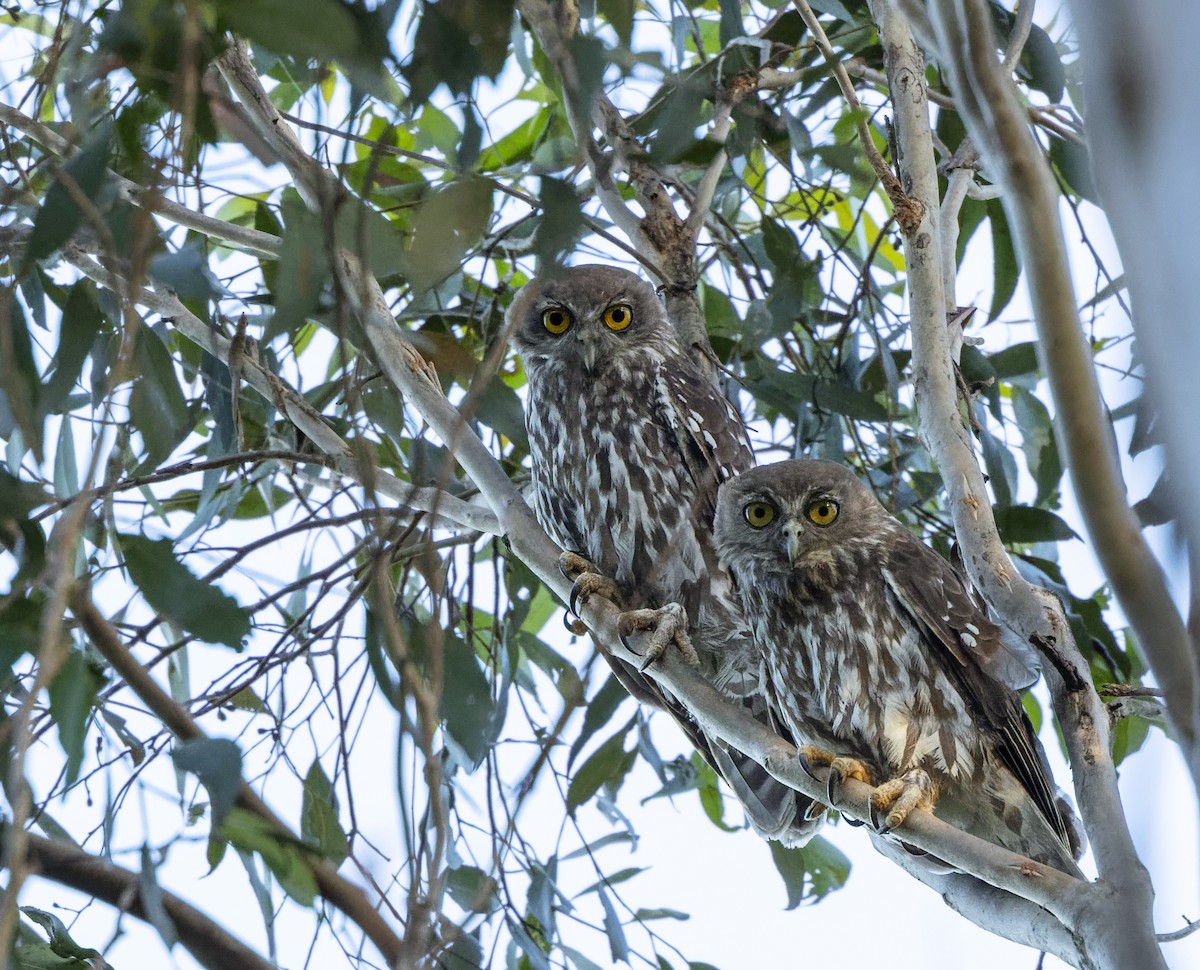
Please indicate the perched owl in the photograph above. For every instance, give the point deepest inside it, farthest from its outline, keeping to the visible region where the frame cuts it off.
(884, 662)
(629, 442)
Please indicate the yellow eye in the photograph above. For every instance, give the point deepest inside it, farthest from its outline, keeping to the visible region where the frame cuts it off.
(556, 320)
(758, 514)
(823, 511)
(618, 317)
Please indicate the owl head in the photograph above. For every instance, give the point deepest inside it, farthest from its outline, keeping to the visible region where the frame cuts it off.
(776, 519)
(589, 316)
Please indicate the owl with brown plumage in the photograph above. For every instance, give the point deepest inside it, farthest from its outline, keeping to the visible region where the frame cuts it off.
(882, 659)
(629, 441)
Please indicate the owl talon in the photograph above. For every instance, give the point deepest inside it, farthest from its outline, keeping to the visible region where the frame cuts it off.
(667, 626)
(893, 801)
(586, 580)
(575, 626)
(840, 768)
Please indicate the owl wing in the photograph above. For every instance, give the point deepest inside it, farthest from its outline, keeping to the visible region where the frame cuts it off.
(711, 434)
(949, 615)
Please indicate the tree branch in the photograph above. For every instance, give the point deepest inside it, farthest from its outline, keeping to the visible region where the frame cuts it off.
(447, 510)
(994, 119)
(341, 893)
(207, 941)
(1140, 117)
(907, 210)
(1033, 613)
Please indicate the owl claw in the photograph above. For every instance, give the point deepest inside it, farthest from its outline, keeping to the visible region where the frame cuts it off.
(893, 801)
(576, 626)
(840, 768)
(667, 626)
(587, 581)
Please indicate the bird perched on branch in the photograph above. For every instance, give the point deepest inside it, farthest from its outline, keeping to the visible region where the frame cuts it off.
(630, 441)
(880, 656)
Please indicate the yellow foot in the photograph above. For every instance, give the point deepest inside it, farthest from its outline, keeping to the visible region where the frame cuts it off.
(893, 801)
(667, 626)
(840, 768)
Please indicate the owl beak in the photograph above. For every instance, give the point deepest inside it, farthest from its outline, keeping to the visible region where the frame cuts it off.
(587, 348)
(791, 532)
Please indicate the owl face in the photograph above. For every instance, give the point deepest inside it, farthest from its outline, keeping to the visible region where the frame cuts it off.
(589, 316)
(792, 515)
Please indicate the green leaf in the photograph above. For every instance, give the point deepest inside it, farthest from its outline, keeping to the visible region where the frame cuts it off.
(1015, 361)
(217, 762)
(607, 762)
(499, 408)
(619, 13)
(303, 267)
(472, 717)
(81, 322)
(72, 696)
(20, 626)
(712, 800)
(659, 913)
(456, 42)
(59, 216)
(369, 234)
(447, 225)
(561, 221)
(319, 816)
(811, 871)
(157, 408)
(1075, 166)
(1005, 270)
(61, 943)
(600, 710)
(325, 30)
(617, 945)
(171, 589)
(20, 380)
(731, 21)
(1024, 524)
(150, 895)
(1001, 468)
(186, 272)
(289, 861)
(473, 889)
(1038, 443)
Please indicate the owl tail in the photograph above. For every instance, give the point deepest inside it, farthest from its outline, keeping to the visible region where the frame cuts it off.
(775, 811)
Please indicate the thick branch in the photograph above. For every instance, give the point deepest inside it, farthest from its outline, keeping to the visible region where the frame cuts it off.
(992, 909)
(1141, 114)
(341, 893)
(1031, 612)
(207, 941)
(988, 103)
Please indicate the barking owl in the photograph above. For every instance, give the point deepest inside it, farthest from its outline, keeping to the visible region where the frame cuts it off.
(629, 442)
(880, 656)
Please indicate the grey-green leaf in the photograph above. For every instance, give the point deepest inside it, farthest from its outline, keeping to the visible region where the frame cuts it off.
(171, 589)
(217, 762)
(319, 816)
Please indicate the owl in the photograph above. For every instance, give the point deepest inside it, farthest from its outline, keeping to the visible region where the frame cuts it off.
(629, 442)
(885, 663)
